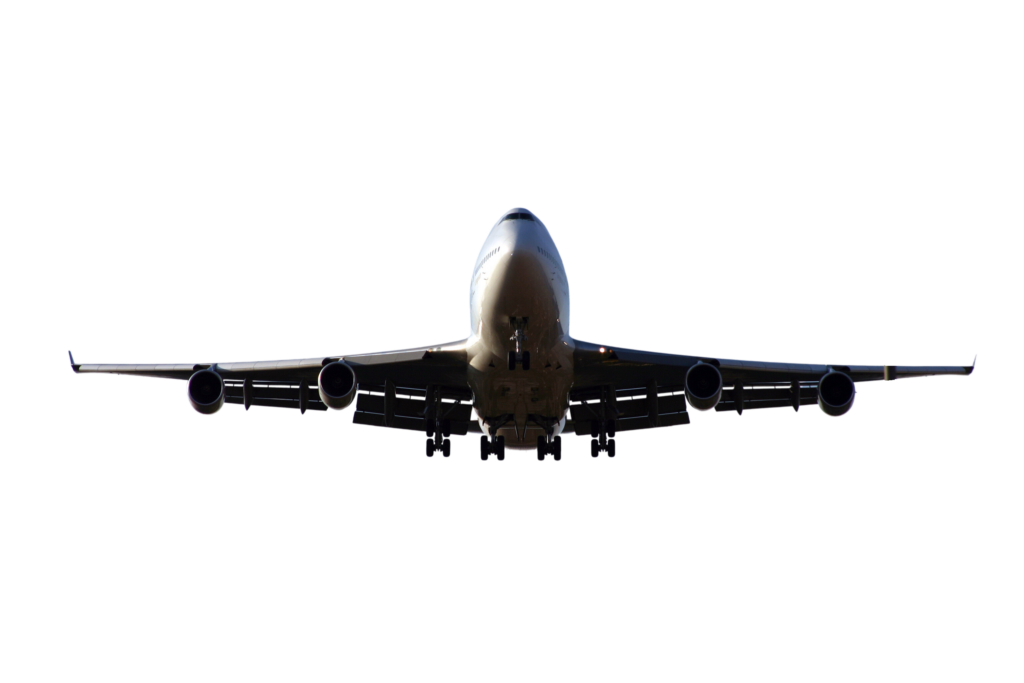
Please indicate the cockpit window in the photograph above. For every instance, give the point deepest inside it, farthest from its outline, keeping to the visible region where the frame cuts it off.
(519, 217)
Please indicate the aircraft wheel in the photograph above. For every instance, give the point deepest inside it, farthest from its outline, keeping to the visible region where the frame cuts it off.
(611, 429)
(557, 444)
(595, 448)
(526, 360)
(430, 428)
(611, 448)
(511, 360)
(501, 448)
(446, 448)
(446, 427)
(594, 429)
(430, 448)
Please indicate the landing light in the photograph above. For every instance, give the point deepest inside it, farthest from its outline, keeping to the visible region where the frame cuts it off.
(601, 350)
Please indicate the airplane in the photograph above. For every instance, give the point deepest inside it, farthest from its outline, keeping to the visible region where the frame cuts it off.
(520, 379)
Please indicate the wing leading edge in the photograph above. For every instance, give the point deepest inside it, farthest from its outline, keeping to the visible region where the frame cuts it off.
(293, 383)
(595, 363)
(428, 361)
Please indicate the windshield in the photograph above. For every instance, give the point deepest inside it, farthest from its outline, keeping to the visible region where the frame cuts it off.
(519, 217)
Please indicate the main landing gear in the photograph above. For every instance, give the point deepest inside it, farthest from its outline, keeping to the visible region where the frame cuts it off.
(494, 446)
(444, 446)
(603, 433)
(552, 448)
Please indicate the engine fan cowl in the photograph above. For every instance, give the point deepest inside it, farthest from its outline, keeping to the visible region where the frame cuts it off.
(206, 391)
(836, 392)
(337, 385)
(703, 386)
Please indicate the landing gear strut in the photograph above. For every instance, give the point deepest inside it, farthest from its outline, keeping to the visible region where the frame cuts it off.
(435, 425)
(519, 356)
(602, 429)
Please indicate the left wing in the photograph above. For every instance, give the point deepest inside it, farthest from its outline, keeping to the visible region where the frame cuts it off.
(635, 367)
(640, 389)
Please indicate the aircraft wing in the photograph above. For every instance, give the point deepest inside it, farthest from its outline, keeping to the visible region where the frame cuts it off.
(641, 389)
(293, 383)
(594, 363)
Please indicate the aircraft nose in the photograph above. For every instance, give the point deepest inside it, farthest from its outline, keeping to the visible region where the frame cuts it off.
(523, 260)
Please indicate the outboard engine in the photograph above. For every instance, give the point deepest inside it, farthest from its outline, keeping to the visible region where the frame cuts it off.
(703, 386)
(206, 391)
(835, 393)
(337, 385)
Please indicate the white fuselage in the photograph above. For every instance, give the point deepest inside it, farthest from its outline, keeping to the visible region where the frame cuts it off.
(519, 275)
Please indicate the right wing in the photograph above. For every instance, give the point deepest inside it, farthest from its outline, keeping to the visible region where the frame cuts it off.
(392, 386)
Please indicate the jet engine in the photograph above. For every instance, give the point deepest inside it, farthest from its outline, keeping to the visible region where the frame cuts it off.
(206, 391)
(703, 386)
(835, 393)
(337, 385)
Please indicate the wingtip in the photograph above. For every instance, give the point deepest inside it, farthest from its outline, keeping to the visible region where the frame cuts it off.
(72, 359)
(973, 363)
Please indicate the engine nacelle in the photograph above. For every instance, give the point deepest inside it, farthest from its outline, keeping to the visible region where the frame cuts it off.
(337, 385)
(206, 391)
(703, 386)
(835, 393)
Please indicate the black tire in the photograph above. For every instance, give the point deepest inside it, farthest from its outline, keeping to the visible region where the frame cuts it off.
(595, 448)
(542, 445)
(485, 447)
(526, 360)
(557, 444)
(511, 360)
(446, 427)
(446, 448)
(430, 448)
(611, 448)
(595, 428)
(611, 429)
(430, 428)
(501, 448)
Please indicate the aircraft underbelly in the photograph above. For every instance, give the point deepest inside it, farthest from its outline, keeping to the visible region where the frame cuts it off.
(522, 403)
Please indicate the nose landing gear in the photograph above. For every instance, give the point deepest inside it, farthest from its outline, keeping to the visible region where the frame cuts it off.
(515, 359)
(519, 356)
